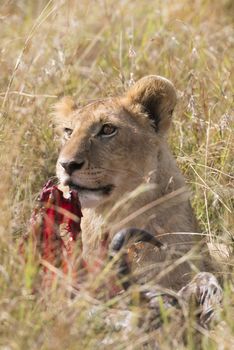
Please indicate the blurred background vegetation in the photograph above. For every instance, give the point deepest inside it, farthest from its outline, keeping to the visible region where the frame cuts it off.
(96, 48)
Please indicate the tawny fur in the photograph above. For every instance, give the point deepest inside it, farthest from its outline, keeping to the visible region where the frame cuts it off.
(138, 162)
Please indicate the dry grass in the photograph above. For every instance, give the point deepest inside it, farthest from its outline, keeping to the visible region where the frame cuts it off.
(91, 49)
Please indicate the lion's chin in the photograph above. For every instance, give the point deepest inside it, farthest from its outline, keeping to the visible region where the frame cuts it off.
(92, 197)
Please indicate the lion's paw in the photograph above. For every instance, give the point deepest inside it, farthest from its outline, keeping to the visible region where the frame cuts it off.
(205, 290)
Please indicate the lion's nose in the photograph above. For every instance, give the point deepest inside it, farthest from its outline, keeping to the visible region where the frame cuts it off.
(72, 165)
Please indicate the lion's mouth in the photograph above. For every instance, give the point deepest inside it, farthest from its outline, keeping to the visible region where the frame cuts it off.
(104, 190)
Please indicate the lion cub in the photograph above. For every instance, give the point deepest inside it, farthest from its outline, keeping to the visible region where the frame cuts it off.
(116, 155)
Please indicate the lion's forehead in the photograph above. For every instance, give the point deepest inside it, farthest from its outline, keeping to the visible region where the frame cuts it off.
(101, 106)
(98, 114)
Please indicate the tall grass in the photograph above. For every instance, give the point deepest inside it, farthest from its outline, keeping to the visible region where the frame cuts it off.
(91, 49)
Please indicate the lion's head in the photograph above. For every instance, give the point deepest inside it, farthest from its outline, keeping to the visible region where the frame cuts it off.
(111, 145)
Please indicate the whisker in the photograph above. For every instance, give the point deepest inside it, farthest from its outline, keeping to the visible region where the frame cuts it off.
(127, 171)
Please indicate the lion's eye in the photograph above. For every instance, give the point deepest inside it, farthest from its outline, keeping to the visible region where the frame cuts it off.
(67, 132)
(108, 130)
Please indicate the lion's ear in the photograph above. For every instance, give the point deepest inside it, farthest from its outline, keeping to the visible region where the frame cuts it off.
(63, 109)
(157, 96)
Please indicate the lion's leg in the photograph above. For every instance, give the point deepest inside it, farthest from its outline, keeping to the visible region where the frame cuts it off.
(120, 241)
(205, 291)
